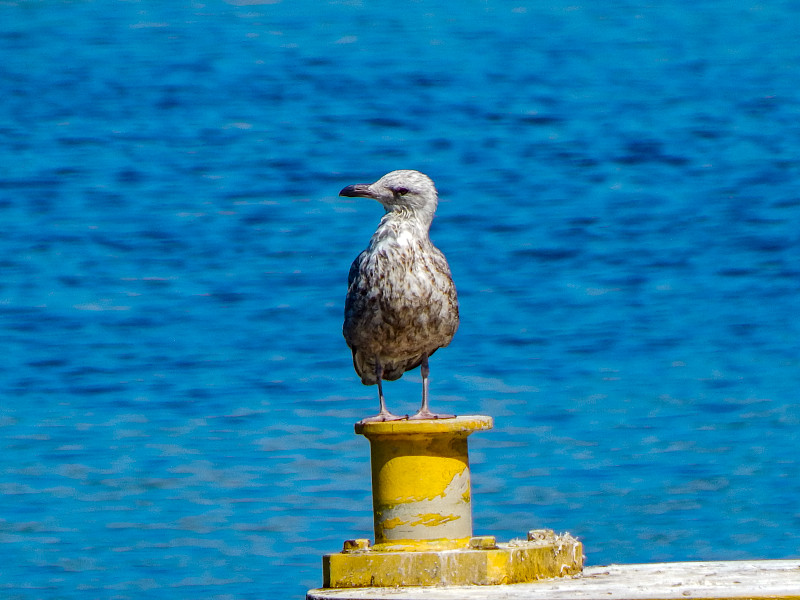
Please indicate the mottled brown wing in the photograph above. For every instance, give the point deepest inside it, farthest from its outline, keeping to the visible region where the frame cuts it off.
(353, 305)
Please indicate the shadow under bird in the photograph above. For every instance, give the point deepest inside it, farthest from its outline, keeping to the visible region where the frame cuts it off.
(401, 303)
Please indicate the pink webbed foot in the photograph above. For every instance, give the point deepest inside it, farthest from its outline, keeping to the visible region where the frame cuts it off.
(423, 415)
(382, 417)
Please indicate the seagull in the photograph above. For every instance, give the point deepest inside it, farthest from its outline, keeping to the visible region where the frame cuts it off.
(401, 303)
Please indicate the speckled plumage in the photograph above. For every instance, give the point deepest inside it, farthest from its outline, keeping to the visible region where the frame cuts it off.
(401, 303)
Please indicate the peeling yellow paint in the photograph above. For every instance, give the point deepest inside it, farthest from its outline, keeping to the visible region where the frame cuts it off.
(415, 478)
(434, 520)
(392, 523)
(421, 479)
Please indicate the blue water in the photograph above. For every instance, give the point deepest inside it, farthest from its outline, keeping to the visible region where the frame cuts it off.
(619, 206)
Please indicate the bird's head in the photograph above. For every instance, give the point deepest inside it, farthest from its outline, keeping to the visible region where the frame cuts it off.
(401, 191)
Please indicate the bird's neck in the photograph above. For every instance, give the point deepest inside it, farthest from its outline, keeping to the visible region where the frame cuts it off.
(400, 226)
(406, 216)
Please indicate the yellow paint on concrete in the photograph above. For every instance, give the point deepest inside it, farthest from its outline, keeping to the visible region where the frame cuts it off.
(356, 545)
(392, 523)
(399, 476)
(464, 424)
(411, 545)
(515, 562)
(483, 542)
(434, 519)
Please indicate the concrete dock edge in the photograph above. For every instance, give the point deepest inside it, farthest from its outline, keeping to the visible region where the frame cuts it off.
(721, 580)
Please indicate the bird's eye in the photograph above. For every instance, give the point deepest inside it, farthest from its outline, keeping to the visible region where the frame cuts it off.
(401, 191)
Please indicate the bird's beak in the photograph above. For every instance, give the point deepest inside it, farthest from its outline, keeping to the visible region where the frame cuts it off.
(359, 190)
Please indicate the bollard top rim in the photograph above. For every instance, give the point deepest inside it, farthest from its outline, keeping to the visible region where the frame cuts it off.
(465, 424)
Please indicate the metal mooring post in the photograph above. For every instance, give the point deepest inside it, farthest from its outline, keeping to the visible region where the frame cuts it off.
(420, 482)
(422, 508)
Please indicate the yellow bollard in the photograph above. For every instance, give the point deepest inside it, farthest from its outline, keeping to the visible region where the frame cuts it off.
(422, 512)
(421, 483)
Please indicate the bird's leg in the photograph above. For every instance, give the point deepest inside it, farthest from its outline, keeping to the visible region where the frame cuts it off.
(424, 412)
(384, 414)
